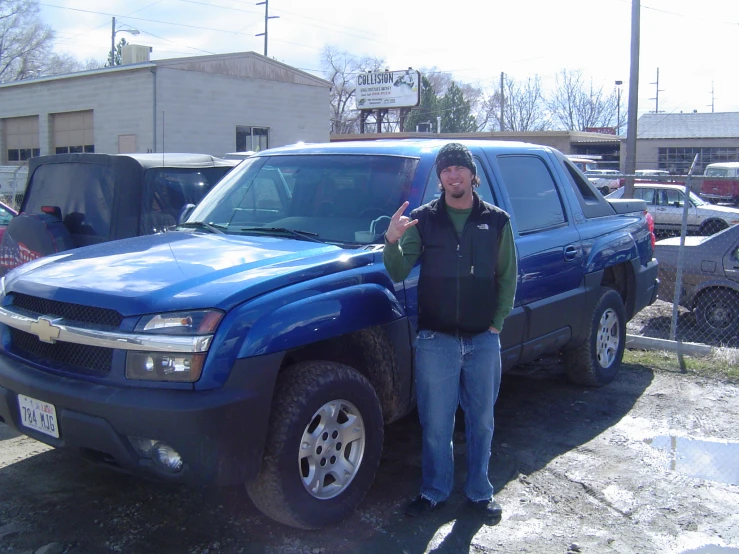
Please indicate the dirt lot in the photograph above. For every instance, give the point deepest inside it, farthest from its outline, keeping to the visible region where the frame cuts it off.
(619, 469)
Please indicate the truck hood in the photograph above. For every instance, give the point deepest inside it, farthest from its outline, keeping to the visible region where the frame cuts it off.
(179, 270)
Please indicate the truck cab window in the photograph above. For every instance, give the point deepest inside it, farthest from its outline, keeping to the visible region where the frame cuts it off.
(534, 196)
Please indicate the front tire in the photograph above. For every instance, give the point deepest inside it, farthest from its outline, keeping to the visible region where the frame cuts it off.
(323, 446)
(596, 361)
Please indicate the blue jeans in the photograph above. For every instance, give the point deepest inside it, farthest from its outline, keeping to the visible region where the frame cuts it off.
(453, 371)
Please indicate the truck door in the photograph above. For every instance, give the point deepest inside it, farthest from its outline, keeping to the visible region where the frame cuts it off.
(550, 267)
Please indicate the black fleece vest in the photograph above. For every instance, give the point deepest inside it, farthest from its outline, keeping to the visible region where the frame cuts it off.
(456, 289)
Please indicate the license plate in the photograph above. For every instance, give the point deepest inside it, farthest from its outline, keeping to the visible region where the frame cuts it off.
(38, 415)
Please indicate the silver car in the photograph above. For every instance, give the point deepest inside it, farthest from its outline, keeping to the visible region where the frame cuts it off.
(666, 202)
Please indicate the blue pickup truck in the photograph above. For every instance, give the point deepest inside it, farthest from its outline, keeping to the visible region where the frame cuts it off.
(263, 342)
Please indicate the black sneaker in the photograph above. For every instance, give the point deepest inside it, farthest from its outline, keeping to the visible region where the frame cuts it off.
(489, 508)
(421, 506)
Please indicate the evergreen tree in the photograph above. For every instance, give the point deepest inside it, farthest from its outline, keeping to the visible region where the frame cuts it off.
(456, 116)
(426, 111)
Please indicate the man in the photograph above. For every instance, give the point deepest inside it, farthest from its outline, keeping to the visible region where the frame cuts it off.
(466, 289)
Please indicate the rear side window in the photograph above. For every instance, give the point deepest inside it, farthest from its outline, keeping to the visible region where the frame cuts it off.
(83, 193)
(168, 189)
(534, 196)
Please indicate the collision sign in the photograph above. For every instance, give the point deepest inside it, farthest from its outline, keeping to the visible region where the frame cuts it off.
(388, 89)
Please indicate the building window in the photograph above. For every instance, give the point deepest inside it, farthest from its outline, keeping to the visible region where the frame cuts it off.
(678, 160)
(252, 139)
(21, 139)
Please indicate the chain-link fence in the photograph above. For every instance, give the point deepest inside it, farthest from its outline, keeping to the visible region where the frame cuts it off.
(699, 273)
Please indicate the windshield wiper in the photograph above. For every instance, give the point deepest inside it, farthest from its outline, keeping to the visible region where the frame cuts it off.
(212, 227)
(305, 235)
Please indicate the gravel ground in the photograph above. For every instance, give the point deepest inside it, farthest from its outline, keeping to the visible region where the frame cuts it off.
(646, 464)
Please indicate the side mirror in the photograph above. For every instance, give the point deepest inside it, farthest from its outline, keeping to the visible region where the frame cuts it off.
(185, 213)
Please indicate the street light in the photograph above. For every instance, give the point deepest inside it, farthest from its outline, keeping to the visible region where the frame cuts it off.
(618, 107)
(112, 39)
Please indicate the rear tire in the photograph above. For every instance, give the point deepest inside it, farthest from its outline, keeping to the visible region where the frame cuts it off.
(717, 313)
(323, 445)
(596, 361)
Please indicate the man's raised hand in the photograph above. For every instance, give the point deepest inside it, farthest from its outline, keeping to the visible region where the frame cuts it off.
(399, 224)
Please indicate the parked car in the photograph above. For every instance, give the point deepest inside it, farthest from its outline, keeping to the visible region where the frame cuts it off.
(665, 203)
(721, 182)
(6, 215)
(710, 279)
(605, 180)
(74, 200)
(263, 342)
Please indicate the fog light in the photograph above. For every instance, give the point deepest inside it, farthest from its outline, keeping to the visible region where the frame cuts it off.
(167, 457)
(163, 455)
(142, 446)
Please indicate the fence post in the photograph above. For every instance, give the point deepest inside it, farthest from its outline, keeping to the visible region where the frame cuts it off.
(680, 256)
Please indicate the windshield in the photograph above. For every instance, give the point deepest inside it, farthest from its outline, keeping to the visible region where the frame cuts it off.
(717, 172)
(697, 200)
(345, 199)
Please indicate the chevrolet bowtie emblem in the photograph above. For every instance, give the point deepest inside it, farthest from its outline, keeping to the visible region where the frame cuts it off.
(45, 330)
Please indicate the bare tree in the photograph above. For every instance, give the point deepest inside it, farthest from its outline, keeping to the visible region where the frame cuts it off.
(524, 109)
(26, 44)
(576, 105)
(341, 68)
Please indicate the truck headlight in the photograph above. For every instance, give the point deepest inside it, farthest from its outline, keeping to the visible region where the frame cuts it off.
(180, 367)
(198, 322)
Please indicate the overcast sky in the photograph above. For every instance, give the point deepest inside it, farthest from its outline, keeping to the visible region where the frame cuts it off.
(693, 43)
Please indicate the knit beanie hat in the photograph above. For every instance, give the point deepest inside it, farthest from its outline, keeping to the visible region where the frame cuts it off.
(454, 154)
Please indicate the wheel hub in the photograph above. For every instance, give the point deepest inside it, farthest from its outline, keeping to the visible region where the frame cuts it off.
(608, 338)
(331, 449)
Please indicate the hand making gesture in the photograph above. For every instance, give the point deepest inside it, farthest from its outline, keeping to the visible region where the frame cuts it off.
(399, 224)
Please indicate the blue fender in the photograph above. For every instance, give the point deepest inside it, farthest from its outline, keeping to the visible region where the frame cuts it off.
(323, 316)
(613, 249)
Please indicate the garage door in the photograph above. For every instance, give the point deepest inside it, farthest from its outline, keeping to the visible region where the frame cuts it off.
(73, 132)
(21, 138)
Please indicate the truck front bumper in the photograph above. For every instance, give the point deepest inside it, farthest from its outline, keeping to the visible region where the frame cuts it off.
(219, 434)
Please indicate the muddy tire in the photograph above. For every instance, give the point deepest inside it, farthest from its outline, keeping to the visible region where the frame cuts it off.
(323, 446)
(596, 361)
(717, 313)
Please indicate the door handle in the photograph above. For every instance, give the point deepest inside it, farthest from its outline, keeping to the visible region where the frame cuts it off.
(570, 252)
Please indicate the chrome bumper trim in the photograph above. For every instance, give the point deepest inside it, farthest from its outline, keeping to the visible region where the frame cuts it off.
(104, 339)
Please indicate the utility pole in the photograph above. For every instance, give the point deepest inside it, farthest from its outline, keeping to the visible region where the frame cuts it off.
(630, 166)
(656, 96)
(618, 107)
(712, 97)
(267, 17)
(502, 101)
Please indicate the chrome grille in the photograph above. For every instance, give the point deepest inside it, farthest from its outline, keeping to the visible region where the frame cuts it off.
(77, 358)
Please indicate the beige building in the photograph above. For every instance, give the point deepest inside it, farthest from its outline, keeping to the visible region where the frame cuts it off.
(206, 104)
(672, 140)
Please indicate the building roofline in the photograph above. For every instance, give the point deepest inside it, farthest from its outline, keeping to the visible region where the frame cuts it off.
(165, 63)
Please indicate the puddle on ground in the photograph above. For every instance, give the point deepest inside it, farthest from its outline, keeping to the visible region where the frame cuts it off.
(713, 549)
(711, 460)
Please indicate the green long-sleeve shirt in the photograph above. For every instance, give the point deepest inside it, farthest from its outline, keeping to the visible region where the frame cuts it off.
(401, 256)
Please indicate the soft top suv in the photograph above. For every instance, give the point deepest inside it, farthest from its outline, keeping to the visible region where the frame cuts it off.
(74, 200)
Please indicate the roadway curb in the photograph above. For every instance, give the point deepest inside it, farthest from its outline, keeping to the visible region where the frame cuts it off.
(649, 343)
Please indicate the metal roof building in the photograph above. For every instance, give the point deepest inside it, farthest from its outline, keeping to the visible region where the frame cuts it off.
(672, 140)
